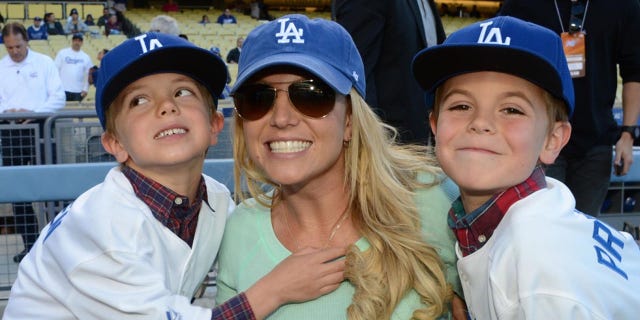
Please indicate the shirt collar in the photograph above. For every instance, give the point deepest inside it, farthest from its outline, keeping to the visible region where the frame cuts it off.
(162, 201)
(474, 229)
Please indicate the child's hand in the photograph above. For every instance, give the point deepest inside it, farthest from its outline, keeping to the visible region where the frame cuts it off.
(304, 275)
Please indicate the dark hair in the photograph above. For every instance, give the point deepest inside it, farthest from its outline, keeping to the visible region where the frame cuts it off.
(15, 28)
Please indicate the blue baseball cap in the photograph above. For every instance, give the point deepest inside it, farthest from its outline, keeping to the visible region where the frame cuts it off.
(502, 44)
(152, 53)
(322, 47)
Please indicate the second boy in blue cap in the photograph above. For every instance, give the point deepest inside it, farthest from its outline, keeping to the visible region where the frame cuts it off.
(139, 245)
(503, 97)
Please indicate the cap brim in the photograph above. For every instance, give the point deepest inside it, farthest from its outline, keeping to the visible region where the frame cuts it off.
(434, 66)
(194, 62)
(324, 71)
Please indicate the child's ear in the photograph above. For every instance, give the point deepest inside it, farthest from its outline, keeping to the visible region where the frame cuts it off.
(556, 140)
(112, 145)
(217, 124)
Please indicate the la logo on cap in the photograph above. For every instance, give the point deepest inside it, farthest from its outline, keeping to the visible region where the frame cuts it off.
(289, 30)
(153, 43)
(493, 37)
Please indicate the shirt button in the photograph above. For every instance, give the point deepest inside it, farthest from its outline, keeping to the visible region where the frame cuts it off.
(178, 201)
(482, 238)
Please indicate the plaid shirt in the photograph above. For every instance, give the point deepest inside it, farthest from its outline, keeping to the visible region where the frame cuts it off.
(170, 208)
(176, 214)
(473, 230)
(236, 308)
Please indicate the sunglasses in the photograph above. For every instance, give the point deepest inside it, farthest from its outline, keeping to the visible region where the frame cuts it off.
(577, 16)
(311, 98)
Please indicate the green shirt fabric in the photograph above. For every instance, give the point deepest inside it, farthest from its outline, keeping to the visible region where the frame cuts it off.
(250, 250)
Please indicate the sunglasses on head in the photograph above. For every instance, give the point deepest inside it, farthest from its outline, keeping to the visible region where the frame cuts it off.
(311, 98)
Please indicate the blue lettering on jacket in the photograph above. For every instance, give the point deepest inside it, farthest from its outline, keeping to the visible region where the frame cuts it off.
(172, 315)
(607, 254)
(56, 222)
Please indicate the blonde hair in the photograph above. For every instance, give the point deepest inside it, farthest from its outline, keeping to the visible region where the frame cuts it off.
(381, 177)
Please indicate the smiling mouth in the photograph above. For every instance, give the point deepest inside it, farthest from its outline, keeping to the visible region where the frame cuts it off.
(289, 146)
(478, 150)
(170, 132)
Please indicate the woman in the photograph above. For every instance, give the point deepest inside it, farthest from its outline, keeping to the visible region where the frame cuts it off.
(337, 180)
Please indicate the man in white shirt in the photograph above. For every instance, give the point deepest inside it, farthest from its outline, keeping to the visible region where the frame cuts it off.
(29, 82)
(73, 65)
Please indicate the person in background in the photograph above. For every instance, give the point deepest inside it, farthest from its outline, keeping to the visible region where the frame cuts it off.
(113, 26)
(170, 6)
(139, 244)
(88, 20)
(29, 82)
(388, 34)
(104, 18)
(37, 31)
(120, 5)
(92, 77)
(226, 92)
(324, 172)
(234, 54)
(74, 24)
(73, 65)
(600, 38)
(54, 27)
(226, 17)
(205, 20)
(503, 99)
(164, 24)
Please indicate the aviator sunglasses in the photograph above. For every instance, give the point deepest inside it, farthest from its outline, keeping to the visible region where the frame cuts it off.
(312, 98)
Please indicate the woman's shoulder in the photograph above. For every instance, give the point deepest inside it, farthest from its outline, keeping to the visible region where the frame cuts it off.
(438, 187)
(248, 211)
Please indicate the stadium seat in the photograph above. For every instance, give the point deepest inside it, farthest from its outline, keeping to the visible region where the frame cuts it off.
(35, 10)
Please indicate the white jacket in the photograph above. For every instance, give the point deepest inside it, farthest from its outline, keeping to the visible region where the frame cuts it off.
(547, 261)
(107, 257)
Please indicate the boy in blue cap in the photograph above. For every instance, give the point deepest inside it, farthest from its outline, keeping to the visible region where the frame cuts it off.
(139, 245)
(503, 97)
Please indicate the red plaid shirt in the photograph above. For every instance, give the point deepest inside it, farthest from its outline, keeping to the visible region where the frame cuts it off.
(170, 208)
(176, 214)
(236, 308)
(474, 229)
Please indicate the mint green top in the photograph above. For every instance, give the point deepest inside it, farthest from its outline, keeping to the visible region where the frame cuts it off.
(250, 250)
